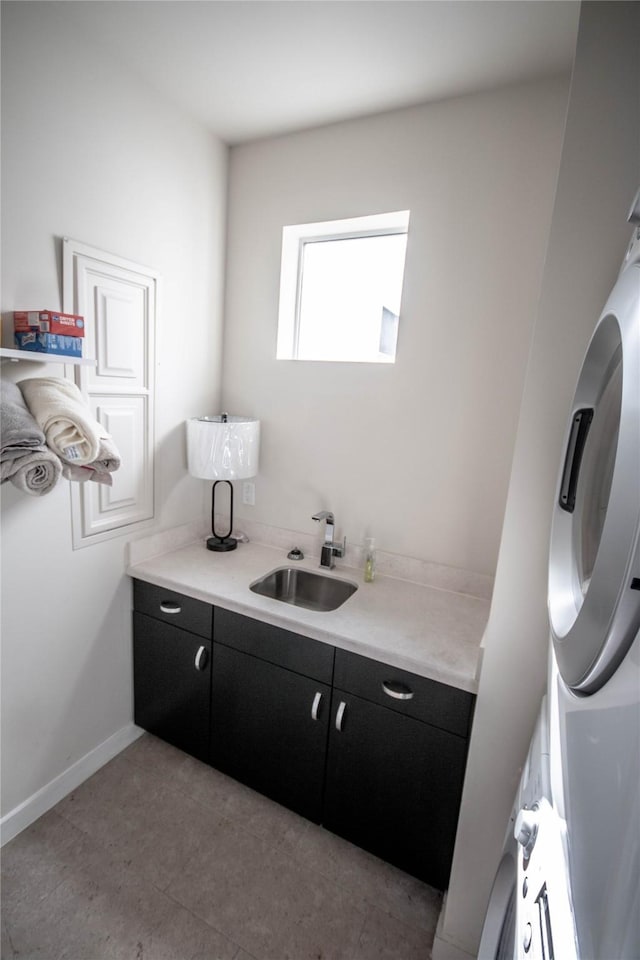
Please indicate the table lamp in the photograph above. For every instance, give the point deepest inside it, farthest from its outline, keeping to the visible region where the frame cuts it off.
(222, 448)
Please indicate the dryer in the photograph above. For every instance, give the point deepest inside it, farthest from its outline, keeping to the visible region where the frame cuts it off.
(594, 578)
(594, 613)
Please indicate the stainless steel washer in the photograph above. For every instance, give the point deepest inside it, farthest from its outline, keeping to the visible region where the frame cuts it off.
(529, 912)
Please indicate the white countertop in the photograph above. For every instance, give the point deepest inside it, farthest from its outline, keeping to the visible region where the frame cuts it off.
(432, 632)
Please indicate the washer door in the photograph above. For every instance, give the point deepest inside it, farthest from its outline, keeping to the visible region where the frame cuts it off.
(594, 580)
(499, 930)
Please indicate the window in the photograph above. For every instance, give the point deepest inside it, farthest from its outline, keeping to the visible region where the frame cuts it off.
(340, 289)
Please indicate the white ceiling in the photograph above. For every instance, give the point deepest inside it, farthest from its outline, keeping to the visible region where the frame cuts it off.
(255, 68)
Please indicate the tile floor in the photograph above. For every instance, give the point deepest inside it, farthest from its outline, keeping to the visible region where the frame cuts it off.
(160, 857)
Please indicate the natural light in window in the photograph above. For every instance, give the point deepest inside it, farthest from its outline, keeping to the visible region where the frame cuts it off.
(340, 289)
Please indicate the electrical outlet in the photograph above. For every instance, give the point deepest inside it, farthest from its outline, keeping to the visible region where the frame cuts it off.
(249, 493)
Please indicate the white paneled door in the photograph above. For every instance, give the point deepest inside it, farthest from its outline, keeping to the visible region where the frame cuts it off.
(118, 299)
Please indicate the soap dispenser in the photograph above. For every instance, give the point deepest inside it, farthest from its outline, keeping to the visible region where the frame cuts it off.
(369, 560)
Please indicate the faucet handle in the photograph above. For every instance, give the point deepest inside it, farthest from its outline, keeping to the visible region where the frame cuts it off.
(331, 550)
(339, 549)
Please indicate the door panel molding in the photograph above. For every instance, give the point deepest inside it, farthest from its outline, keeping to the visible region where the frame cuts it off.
(119, 300)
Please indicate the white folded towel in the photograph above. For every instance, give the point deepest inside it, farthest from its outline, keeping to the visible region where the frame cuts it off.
(61, 413)
(100, 469)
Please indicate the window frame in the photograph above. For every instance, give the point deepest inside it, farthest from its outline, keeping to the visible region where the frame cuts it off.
(294, 239)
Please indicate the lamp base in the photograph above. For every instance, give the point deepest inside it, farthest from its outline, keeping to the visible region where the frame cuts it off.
(221, 544)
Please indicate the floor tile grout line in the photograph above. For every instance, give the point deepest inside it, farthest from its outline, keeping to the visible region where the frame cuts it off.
(76, 870)
(352, 891)
(365, 917)
(202, 919)
(239, 947)
(137, 875)
(417, 928)
(239, 826)
(245, 948)
(192, 913)
(367, 910)
(291, 853)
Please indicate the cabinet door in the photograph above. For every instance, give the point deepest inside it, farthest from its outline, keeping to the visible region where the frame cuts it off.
(269, 729)
(393, 786)
(172, 681)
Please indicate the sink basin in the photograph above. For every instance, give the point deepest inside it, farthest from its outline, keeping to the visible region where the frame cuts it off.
(304, 589)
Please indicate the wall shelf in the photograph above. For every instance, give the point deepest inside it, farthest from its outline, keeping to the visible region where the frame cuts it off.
(8, 354)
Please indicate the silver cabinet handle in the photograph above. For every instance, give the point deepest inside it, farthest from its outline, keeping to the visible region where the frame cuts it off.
(340, 716)
(201, 658)
(168, 606)
(315, 707)
(397, 690)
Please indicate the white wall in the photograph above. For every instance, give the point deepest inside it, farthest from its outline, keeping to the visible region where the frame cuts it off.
(89, 152)
(599, 174)
(418, 453)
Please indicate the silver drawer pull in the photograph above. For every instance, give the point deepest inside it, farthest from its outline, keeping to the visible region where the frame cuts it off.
(397, 690)
(315, 707)
(340, 716)
(201, 659)
(168, 606)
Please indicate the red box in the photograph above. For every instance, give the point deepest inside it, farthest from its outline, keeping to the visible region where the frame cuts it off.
(48, 321)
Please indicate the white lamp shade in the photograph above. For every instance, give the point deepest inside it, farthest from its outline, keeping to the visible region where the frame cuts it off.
(223, 449)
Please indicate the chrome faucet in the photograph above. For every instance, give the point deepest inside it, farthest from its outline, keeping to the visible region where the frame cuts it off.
(329, 548)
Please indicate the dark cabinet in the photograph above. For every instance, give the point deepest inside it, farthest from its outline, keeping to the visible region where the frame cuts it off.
(396, 762)
(270, 712)
(269, 729)
(172, 668)
(375, 754)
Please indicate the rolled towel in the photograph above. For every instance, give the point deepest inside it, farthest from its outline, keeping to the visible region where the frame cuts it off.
(19, 432)
(35, 473)
(60, 411)
(100, 470)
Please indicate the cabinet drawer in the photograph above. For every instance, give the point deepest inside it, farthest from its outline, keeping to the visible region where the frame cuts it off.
(173, 608)
(300, 654)
(427, 700)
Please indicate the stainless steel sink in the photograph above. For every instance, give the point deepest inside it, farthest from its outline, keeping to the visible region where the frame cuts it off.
(303, 588)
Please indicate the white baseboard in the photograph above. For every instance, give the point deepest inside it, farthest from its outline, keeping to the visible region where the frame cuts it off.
(44, 799)
(444, 949)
